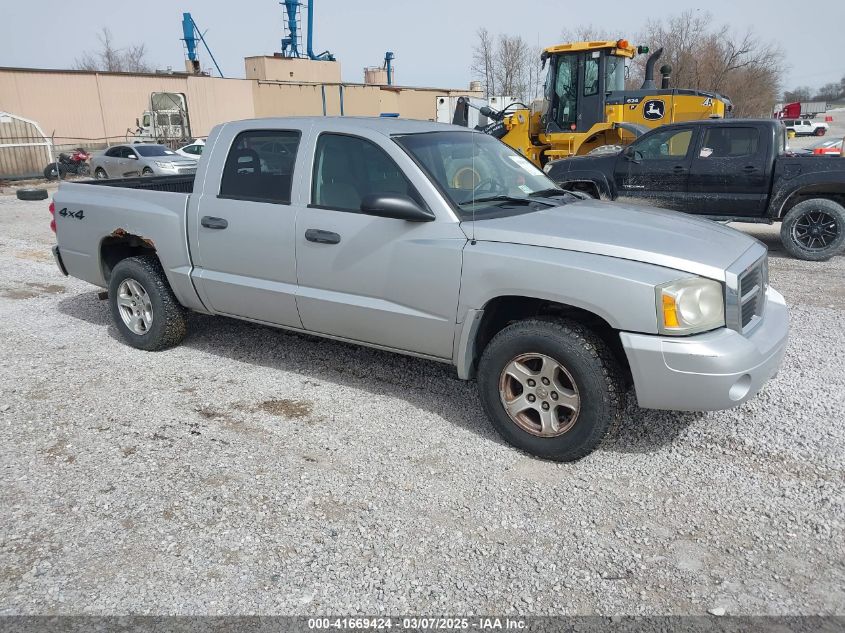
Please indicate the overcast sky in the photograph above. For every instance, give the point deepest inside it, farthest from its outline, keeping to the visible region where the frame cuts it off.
(432, 39)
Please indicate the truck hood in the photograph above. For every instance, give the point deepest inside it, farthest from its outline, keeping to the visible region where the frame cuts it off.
(644, 234)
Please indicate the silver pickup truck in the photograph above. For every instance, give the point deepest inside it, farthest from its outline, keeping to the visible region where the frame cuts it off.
(443, 243)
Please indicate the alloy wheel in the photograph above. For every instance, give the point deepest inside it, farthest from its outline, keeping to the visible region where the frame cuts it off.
(539, 395)
(815, 230)
(135, 307)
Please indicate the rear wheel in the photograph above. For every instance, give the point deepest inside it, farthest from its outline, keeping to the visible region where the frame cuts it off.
(550, 387)
(100, 174)
(820, 131)
(143, 307)
(814, 230)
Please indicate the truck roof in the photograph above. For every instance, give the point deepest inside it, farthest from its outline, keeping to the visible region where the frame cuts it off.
(766, 122)
(384, 125)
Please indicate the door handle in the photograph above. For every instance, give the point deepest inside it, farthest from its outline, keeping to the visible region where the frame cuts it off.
(679, 168)
(750, 168)
(322, 237)
(213, 223)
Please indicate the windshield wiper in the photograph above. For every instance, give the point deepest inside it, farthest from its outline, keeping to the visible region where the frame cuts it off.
(551, 191)
(496, 198)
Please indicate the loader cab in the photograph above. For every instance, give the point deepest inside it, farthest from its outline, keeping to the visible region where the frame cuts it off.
(579, 79)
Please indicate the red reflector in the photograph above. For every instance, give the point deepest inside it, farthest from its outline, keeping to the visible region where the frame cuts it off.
(53, 225)
(52, 208)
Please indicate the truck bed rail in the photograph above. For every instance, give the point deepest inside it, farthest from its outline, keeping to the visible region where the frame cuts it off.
(173, 184)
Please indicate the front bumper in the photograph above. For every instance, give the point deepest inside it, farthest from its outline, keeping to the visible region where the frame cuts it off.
(711, 371)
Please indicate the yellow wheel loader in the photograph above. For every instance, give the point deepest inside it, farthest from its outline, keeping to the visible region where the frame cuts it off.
(586, 105)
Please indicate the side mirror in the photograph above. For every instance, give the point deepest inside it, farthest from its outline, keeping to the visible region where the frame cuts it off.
(632, 154)
(133, 156)
(137, 122)
(395, 206)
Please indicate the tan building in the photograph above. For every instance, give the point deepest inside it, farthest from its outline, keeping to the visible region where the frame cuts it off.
(96, 109)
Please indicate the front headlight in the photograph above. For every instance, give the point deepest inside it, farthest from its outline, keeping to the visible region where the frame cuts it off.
(164, 164)
(689, 306)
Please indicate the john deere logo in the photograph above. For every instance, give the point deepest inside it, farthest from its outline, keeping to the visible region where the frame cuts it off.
(654, 109)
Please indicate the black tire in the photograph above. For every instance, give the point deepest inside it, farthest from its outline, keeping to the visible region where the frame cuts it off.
(146, 172)
(32, 194)
(814, 230)
(169, 318)
(100, 174)
(594, 373)
(820, 131)
(54, 170)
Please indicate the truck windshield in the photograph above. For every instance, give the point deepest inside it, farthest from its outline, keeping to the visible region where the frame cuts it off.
(153, 150)
(481, 176)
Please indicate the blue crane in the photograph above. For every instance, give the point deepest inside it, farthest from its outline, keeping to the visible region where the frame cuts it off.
(291, 43)
(192, 35)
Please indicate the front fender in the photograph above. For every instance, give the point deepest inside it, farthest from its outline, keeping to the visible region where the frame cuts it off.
(619, 291)
(600, 180)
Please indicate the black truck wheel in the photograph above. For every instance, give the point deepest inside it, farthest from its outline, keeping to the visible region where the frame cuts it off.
(550, 387)
(143, 307)
(814, 229)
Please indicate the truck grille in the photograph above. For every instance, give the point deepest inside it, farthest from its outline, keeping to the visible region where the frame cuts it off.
(752, 293)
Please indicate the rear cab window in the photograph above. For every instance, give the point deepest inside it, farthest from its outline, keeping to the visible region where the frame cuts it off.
(259, 166)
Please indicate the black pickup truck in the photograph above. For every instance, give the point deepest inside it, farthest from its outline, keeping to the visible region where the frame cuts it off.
(727, 170)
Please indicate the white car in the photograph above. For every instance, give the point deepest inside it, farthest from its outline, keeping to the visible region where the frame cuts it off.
(194, 150)
(807, 127)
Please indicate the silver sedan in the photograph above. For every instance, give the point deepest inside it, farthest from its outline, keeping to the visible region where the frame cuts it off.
(128, 161)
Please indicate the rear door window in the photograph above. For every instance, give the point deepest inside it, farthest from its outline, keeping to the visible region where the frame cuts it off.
(259, 166)
(730, 142)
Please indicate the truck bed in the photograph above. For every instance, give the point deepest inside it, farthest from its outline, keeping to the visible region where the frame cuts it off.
(173, 184)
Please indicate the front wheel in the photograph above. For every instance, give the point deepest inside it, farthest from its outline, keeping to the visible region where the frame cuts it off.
(147, 172)
(54, 170)
(143, 307)
(550, 387)
(814, 229)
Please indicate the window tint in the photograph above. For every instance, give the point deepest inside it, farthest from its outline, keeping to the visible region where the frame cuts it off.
(348, 168)
(666, 144)
(126, 152)
(113, 152)
(726, 142)
(260, 166)
(591, 77)
(154, 150)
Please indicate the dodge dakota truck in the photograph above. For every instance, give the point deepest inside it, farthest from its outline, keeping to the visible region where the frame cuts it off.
(727, 170)
(443, 243)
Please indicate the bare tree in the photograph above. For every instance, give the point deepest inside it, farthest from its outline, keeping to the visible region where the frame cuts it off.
(507, 65)
(828, 92)
(109, 58)
(801, 93)
(707, 57)
(483, 63)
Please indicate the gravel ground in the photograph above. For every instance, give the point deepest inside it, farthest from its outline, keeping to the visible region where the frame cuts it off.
(254, 471)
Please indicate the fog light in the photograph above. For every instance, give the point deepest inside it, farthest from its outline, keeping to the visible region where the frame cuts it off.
(740, 388)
